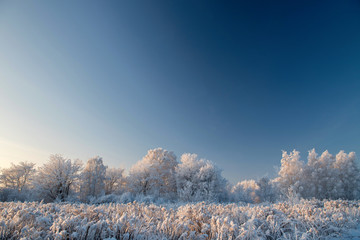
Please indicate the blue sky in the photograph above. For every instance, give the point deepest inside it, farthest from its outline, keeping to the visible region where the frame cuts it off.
(235, 82)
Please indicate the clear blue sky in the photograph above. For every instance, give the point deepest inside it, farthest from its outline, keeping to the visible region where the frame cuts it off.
(235, 82)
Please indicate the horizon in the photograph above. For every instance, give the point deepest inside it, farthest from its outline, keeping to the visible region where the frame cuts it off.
(236, 82)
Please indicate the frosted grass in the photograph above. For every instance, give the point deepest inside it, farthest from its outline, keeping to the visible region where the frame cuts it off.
(306, 219)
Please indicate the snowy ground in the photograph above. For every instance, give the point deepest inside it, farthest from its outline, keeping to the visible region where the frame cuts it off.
(349, 234)
(302, 220)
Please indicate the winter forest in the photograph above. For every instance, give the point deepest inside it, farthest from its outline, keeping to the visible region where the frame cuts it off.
(185, 199)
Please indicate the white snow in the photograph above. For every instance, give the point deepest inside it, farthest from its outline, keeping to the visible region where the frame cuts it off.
(307, 219)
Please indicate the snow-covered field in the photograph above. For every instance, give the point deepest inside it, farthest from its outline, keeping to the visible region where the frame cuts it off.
(302, 220)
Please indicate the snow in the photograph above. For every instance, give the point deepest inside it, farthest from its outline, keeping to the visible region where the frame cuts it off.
(349, 234)
(307, 219)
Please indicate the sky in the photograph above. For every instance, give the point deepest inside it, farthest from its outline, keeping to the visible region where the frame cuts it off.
(236, 82)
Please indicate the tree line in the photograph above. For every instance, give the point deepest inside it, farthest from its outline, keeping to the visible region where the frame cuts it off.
(160, 177)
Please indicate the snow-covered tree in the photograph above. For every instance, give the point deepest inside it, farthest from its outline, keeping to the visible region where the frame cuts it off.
(114, 180)
(319, 177)
(56, 178)
(199, 179)
(18, 176)
(348, 176)
(251, 191)
(154, 174)
(323, 177)
(329, 177)
(268, 192)
(93, 179)
(290, 174)
(246, 191)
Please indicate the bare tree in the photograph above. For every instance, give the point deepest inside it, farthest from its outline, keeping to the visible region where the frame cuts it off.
(18, 176)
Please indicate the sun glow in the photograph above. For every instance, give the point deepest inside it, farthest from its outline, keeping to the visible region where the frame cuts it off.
(12, 152)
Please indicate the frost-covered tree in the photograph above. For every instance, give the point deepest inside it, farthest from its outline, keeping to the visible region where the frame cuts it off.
(290, 174)
(319, 177)
(15, 182)
(251, 191)
(348, 176)
(154, 174)
(114, 180)
(56, 178)
(18, 176)
(323, 177)
(199, 179)
(93, 179)
(268, 192)
(246, 191)
(329, 177)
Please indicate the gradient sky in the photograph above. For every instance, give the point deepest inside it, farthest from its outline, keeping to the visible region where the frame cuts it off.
(235, 82)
